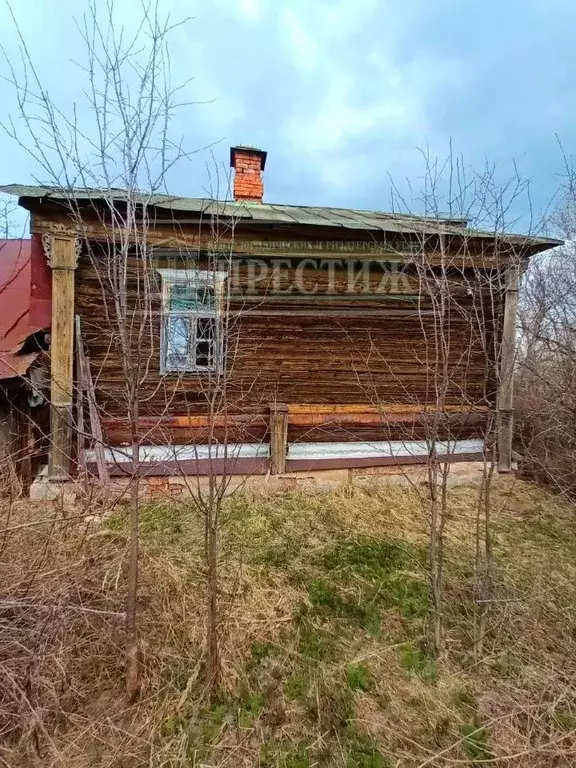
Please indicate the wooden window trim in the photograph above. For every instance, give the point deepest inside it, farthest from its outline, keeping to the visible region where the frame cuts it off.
(199, 277)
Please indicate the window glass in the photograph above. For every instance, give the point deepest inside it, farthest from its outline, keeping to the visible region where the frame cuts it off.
(186, 297)
(190, 339)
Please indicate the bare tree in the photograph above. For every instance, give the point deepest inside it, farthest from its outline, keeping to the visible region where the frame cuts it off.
(118, 138)
(462, 289)
(547, 353)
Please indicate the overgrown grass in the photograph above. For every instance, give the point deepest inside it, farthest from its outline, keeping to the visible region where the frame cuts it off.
(325, 607)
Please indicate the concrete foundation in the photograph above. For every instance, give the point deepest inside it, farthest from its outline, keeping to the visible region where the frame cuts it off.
(318, 481)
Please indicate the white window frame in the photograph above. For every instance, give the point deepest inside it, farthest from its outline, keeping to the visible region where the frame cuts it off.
(193, 277)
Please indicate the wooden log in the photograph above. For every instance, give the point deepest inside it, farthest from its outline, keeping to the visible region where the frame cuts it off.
(278, 437)
(87, 385)
(383, 410)
(191, 422)
(507, 362)
(80, 398)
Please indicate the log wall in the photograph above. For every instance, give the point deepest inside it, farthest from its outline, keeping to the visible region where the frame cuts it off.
(327, 347)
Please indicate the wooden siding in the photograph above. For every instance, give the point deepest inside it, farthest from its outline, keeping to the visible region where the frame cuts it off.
(327, 348)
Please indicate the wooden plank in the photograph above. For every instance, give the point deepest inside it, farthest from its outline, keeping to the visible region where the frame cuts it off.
(507, 363)
(80, 396)
(297, 414)
(260, 466)
(301, 242)
(382, 410)
(95, 424)
(23, 439)
(278, 437)
(187, 467)
(170, 422)
(62, 255)
(311, 465)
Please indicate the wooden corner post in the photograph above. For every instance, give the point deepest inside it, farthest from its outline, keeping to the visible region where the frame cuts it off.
(278, 437)
(62, 256)
(507, 364)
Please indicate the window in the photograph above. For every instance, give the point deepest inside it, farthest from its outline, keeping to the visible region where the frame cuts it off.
(191, 320)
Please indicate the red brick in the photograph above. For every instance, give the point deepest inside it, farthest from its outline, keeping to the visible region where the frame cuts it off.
(248, 183)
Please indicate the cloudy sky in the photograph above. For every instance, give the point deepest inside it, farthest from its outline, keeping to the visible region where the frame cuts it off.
(341, 93)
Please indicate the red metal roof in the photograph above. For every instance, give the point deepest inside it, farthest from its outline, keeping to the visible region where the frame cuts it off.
(15, 303)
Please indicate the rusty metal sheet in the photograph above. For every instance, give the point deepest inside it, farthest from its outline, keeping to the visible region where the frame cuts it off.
(15, 323)
(15, 365)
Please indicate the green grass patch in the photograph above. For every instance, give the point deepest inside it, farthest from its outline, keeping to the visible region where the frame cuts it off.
(314, 643)
(362, 752)
(277, 555)
(249, 709)
(279, 755)
(261, 650)
(372, 558)
(297, 687)
(416, 661)
(358, 677)
(387, 573)
(475, 743)
(326, 600)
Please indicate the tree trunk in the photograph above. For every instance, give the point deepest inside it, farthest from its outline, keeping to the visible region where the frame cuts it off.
(132, 649)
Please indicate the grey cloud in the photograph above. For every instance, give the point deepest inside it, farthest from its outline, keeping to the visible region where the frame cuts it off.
(342, 94)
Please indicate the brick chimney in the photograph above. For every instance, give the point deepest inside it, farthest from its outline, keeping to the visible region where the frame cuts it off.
(248, 162)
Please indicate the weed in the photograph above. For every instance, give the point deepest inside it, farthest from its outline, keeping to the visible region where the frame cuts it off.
(261, 650)
(206, 731)
(362, 752)
(297, 687)
(277, 555)
(170, 725)
(249, 710)
(296, 759)
(417, 661)
(348, 580)
(161, 523)
(373, 558)
(358, 677)
(314, 642)
(324, 596)
(565, 721)
(327, 601)
(475, 743)
(279, 755)
(411, 597)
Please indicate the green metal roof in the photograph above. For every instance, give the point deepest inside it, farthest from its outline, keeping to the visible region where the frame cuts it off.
(266, 213)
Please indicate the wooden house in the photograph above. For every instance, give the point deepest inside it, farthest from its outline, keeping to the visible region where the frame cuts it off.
(272, 338)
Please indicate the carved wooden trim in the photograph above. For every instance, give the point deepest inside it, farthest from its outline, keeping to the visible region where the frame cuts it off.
(58, 251)
(47, 248)
(174, 243)
(52, 227)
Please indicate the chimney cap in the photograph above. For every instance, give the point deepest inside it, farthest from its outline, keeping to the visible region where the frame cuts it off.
(247, 149)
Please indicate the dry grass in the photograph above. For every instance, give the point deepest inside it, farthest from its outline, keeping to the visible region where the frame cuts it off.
(325, 664)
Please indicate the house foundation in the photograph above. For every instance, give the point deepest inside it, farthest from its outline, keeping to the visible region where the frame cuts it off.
(316, 481)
